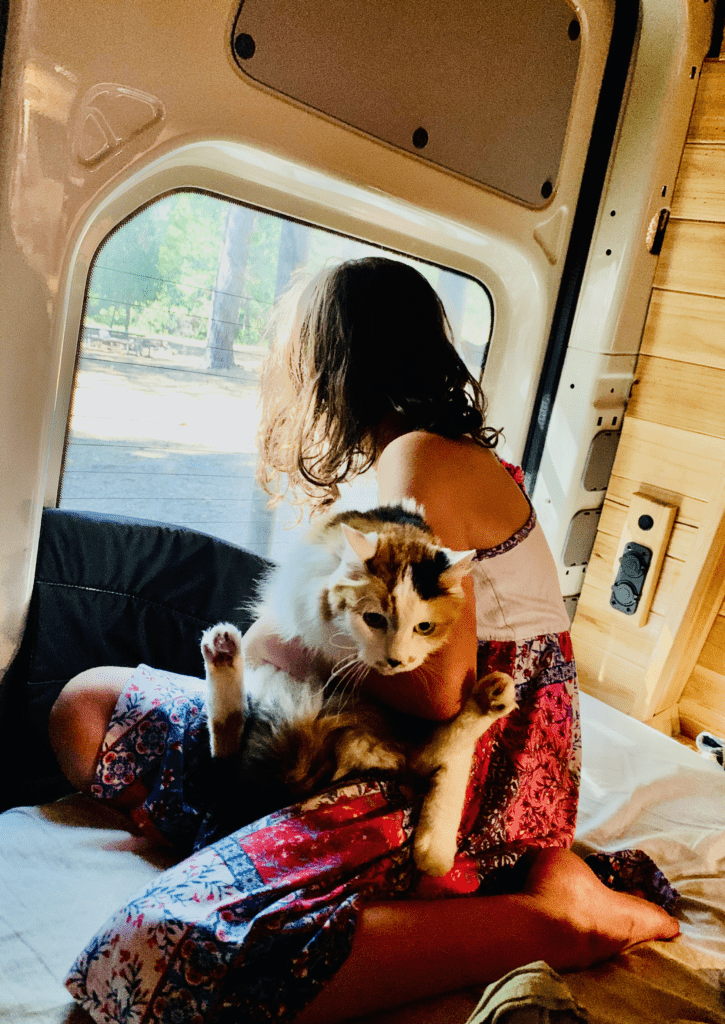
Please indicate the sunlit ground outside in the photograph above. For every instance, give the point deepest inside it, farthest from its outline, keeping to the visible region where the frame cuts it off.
(171, 444)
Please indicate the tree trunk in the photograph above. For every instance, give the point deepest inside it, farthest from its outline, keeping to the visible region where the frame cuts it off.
(229, 288)
(294, 246)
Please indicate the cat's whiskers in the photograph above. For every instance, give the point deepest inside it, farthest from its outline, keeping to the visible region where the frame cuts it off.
(347, 673)
(342, 647)
(426, 677)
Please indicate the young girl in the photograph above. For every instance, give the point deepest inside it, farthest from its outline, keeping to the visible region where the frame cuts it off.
(364, 374)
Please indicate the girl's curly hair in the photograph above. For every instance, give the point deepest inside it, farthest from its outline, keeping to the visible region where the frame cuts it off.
(357, 342)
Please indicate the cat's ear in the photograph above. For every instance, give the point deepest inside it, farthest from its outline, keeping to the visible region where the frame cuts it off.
(459, 565)
(362, 545)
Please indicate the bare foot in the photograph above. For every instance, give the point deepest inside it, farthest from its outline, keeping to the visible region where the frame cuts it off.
(595, 922)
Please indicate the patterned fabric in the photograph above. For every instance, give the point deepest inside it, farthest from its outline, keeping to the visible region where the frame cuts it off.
(158, 735)
(250, 927)
(633, 871)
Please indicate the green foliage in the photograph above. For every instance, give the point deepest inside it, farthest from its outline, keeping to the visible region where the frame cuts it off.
(156, 274)
(125, 274)
(260, 279)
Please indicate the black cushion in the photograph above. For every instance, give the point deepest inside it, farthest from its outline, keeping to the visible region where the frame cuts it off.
(110, 591)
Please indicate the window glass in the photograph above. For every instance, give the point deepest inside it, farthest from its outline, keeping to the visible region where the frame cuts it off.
(165, 400)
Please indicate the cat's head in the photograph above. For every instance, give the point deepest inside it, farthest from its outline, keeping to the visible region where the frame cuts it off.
(398, 592)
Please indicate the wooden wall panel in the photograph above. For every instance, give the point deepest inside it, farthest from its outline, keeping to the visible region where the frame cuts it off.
(680, 394)
(707, 123)
(689, 328)
(600, 573)
(700, 191)
(613, 519)
(691, 509)
(672, 447)
(693, 258)
(670, 459)
(712, 655)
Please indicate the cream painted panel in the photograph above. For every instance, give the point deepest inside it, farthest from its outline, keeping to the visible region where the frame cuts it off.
(105, 106)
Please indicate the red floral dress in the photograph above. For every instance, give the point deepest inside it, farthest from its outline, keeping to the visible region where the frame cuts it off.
(252, 925)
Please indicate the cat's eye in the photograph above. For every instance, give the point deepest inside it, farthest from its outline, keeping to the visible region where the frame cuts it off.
(375, 620)
(425, 628)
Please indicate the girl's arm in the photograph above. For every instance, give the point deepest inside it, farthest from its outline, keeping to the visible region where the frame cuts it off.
(262, 643)
(451, 481)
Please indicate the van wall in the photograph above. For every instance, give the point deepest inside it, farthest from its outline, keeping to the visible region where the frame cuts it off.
(672, 448)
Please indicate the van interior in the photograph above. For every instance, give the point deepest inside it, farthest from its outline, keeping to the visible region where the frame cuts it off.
(556, 170)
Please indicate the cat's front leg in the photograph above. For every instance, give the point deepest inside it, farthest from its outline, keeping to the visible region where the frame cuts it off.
(446, 759)
(221, 647)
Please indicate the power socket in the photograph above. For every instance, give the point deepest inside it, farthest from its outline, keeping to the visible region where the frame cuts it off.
(647, 529)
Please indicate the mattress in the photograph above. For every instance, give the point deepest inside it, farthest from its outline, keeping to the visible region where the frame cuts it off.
(66, 866)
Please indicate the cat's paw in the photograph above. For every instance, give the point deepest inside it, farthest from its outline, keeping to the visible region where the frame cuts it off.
(221, 646)
(433, 851)
(495, 694)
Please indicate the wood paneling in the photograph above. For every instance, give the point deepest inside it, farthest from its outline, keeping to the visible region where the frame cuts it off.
(706, 690)
(668, 457)
(612, 679)
(679, 394)
(700, 190)
(672, 448)
(697, 601)
(591, 628)
(696, 717)
(703, 699)
(691, 509)
(614, 517)
(707, 123)
(684, 327)
(712, 655)
(693, 258)
(600, 573)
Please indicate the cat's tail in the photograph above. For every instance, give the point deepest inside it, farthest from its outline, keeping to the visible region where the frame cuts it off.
(221, 647)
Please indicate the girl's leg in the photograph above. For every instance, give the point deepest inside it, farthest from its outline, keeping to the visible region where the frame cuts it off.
(411, 949)
(79, 720)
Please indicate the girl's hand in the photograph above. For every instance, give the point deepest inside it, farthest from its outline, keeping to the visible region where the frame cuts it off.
(263, 645)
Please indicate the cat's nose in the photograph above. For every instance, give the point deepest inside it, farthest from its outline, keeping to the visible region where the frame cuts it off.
(393, 663)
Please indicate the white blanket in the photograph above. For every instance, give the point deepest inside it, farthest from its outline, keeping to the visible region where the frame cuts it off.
(66, 866)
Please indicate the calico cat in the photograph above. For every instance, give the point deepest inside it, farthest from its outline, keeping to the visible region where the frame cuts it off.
(362, 590)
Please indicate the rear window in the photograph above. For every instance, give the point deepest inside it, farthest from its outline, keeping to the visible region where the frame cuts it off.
(165, 399)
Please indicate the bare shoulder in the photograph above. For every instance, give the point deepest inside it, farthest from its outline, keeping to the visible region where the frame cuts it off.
(427, 461)
(470, 500)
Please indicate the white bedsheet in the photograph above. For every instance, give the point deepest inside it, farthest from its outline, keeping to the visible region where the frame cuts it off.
(65, 867)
